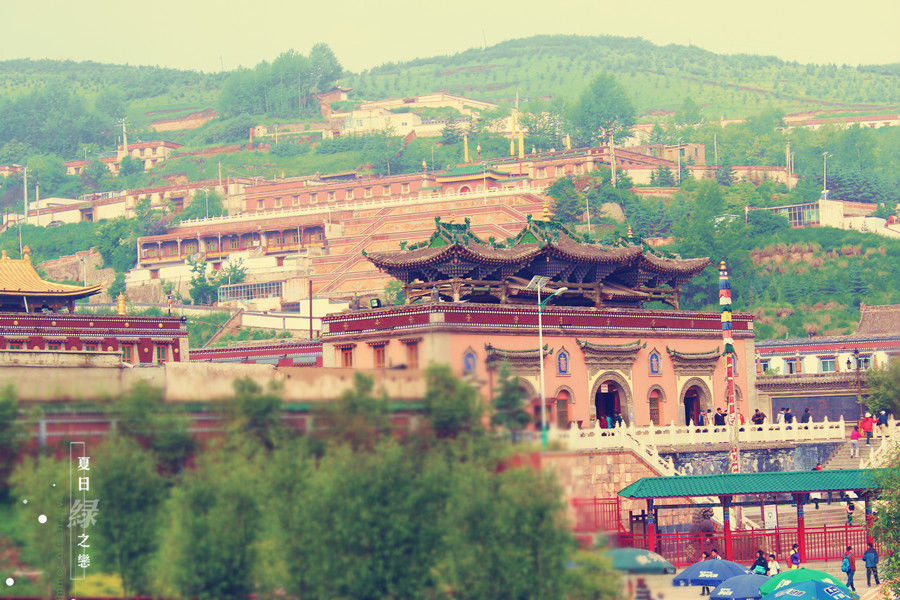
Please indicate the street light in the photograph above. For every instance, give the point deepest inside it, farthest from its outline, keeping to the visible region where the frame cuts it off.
(825, 156)
(536, 283)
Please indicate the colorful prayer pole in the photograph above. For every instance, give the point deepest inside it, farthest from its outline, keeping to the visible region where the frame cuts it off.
(734, 457)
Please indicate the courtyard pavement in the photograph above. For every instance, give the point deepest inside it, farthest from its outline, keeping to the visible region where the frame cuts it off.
(662, 589)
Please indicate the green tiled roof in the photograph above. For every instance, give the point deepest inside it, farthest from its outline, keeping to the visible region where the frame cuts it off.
(684, 486)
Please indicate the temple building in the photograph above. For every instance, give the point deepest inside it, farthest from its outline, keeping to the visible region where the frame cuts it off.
(37, 318)
(469, 304)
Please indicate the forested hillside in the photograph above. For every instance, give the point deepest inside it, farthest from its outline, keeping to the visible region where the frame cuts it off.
(656, 77)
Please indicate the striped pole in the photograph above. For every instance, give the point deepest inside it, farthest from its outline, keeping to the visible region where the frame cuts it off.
(734, 457)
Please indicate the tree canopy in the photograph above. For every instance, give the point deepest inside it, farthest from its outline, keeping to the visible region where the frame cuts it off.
(603, 111)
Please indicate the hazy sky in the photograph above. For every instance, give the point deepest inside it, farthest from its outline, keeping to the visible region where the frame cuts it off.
(206, 34)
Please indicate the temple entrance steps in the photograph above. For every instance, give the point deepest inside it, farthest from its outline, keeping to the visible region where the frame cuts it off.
(841, 458)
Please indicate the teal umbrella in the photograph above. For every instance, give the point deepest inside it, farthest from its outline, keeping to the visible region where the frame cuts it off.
(792, 576)
(812, 590)
(635, 560)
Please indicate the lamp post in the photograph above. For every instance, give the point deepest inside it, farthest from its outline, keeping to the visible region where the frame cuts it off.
(536, 283)
(825, 156)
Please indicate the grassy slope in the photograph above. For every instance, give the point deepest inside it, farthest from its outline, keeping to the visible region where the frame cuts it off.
(656, 77)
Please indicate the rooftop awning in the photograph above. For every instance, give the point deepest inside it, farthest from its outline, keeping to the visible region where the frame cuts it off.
(686, 486)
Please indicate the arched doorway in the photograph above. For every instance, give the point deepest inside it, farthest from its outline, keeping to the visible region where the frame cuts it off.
(464, 189)
(563, 398)
(608, 402)
(654, 399)
(695, 397)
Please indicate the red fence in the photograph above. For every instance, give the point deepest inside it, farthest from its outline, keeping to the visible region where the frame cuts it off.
(683, 548)
(596, 514)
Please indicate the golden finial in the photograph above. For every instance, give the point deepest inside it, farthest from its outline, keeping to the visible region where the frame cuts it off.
(26, 253)
(120, 304)
(546, 209)
(452, 219)
(630, 233)
(424, 166)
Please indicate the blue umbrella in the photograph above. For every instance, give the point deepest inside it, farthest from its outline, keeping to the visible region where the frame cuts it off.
(636, 560)
(813, 590)
(709, 572)
(740, 587)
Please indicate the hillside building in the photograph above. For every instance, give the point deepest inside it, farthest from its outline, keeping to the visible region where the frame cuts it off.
(827, 373)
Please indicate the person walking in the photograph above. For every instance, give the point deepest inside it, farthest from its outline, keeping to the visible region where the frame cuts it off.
(882, 423)
(866, 423)
(870, 557)
(795, 556)
(854, 442)
(704, 591)
(848, 566)
(850, 509)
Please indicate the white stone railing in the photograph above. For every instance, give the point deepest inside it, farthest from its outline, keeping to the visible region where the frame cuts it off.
(626, 438)
(690, 435)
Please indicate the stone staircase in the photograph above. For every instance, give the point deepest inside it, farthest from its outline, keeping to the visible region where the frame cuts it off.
(841, 458)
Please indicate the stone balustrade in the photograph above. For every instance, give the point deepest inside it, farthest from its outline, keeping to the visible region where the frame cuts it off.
(673, 435)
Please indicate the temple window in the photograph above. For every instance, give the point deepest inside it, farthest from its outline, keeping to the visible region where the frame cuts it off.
(379, 356)
(90, 347)
(404, 189)
(562, 363)
(826, 364)
(162, 353)
(260, 204)
(790, 366)
(655, 367)
(53, 346)
(470, 361)
(368, 192)
(764, 365)
(15, 345)
(346, 357)
(562, 408)
(127, 353)
(331, 196)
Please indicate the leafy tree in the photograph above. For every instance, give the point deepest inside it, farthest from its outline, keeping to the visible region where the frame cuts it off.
(887, 521)
(116, 243)
(255, 413)
(451, 134)
(393, 293)
(133, 492)
(205, 282)
(111, 102)
(213, 531)
(593, 578)
(130, 166)
(202, 204)
(359, 418)
(724, 173)
(451, 405)
(604, 112)
(509, 402)
(662, 176)
(43, 483)
(569, 202)
(142, 415)
(884, 388)
(688, 113)
(11, 432)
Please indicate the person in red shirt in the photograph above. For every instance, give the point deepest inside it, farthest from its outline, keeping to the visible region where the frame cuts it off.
(866, 424)
(848, 566)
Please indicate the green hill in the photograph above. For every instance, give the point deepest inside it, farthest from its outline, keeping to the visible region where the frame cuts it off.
(656, 77)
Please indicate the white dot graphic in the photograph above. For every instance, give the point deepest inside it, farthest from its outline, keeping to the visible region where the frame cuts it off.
(10, 581)
(25, 501)
(42, 518)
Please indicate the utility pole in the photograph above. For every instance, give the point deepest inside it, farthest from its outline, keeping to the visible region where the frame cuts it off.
(825, 156)
(734, 458)
(123, 121)
(24, 205)
(612, 158)
(716, 147)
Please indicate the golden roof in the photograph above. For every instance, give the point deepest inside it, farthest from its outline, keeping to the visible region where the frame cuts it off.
(18, 277)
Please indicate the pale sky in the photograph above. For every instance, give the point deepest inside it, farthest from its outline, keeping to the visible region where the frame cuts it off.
(206, 34)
